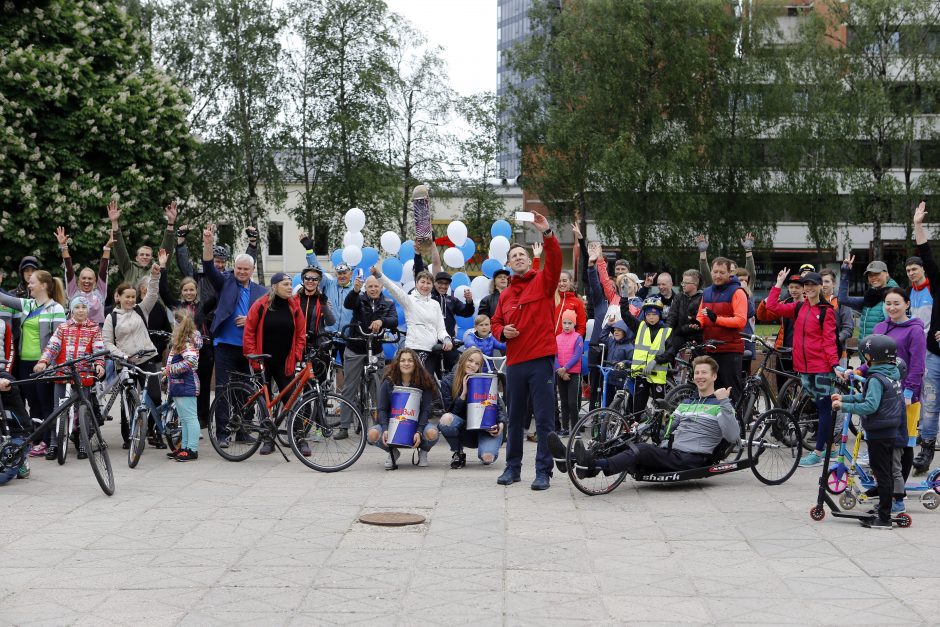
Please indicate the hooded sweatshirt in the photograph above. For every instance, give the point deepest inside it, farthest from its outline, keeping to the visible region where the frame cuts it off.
(912, 348)
(922, 302)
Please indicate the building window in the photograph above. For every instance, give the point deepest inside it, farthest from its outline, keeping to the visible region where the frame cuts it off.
(226, 236)
(275, 238)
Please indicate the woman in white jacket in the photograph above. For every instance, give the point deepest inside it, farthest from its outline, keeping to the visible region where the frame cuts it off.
(422, 315)
(125, 333)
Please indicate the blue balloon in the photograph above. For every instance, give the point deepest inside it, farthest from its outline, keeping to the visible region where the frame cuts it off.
(407, 251)
(501, 227)
(489, 267)
(297, 280)
(466, 322)
(392, 268)
(468, 249)
(459, 278)
(370, 257)
(401, 314)
(389, 351)
(337, 257)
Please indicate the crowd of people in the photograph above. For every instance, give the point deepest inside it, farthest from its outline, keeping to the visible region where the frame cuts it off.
(217, 320)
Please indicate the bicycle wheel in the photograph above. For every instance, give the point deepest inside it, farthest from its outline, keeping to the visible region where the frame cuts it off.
(678, 394)
(235, 422)
(773, 446)
(804, 410)
(370, 414)
(789, 392)
(172, 430)
(63, 429)
(138, 436)
(314, 419)
(603, 432)
(97, 449)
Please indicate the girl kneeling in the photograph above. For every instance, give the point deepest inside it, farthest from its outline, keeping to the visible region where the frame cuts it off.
(454, 422)
(405, 370)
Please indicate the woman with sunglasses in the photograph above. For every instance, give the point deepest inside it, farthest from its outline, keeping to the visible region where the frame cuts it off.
(314, 304)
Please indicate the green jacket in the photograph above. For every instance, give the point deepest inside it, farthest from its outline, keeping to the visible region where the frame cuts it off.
(131, 271)
(871, 315)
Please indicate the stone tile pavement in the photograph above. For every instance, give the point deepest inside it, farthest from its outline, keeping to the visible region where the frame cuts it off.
(264, 542)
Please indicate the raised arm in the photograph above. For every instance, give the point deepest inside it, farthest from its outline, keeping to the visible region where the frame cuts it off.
(120, 249)
(208, 268)
(170, 212)
(845, 273)
(182, 258)
(702, 244)
(607, 284)
(63, 240)
(153, 291)
(394, 289)
(748, 244)
(103, 264)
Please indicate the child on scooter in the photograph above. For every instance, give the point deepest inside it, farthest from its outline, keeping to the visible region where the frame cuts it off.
(882, 409)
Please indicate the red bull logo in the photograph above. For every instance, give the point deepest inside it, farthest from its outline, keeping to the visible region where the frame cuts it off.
(403, 423)
(483, 401)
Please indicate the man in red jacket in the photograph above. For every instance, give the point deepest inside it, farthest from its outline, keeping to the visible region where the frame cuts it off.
(523, 320)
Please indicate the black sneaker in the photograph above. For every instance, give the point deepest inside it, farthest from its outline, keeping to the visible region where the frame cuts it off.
(304, 448)
(187, 455)
(126, 445)
(172, 454)
(559, 451)
(877, 523)
(52, 452)
(341, 434)
(583, 456)
(267, 448)
(459, 460)
(82, 454)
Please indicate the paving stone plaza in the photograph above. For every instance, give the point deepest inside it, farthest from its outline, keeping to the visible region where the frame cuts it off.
(265, 542)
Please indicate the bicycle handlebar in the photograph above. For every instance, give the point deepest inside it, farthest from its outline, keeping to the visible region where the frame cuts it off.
(71, 362)
(388, 336)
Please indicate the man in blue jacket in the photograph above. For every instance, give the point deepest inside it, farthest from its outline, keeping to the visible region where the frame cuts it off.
(236, 293)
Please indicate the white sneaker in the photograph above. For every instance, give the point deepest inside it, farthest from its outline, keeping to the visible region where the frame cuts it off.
(422, 459)
(388, 460)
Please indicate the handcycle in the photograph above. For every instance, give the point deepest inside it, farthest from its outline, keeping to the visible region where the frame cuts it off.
(243, 416)
(772, 441)
(166, 420)
(853, 484)
(79, 398)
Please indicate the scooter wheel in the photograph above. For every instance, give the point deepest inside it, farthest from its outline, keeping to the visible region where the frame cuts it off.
(847, 500)
(903, 520)
(836, 483)
(817, 513)
(929, 500)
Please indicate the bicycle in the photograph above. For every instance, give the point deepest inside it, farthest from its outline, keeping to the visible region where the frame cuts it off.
(90, 436)
(166, 420)
(243, 416)
(368, 384)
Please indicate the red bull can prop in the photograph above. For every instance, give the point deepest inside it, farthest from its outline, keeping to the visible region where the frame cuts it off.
(403, 421)
(482, 401)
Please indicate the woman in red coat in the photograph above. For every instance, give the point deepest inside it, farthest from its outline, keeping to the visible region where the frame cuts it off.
(567, 299)
(275, 326)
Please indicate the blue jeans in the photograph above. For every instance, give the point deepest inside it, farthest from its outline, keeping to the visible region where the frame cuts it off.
(533, 379)
(189, 421)
(458, 437)
(426, 444)
(929, 405)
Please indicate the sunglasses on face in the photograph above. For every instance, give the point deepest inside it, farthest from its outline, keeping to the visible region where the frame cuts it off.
(314, 279)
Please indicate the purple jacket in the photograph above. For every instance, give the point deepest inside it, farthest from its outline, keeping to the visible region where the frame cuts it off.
(912, 348)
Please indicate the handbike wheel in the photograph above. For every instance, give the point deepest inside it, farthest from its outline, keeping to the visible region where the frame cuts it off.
(97, 449)
(138, 436)
(62, 435)
(773, 446)
(235, 421)
(678, 394)
(603, 432)
(315, 419)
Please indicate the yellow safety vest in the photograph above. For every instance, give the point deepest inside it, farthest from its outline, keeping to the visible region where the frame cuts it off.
(645, 349)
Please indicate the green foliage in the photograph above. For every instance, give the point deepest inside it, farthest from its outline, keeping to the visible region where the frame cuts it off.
(83, 121)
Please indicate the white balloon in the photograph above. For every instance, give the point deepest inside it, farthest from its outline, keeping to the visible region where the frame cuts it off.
(391, 243)
(353, 238)
(480, 288)
(457, 232)
(408, 271)
(499, 247)
(352, 255)
(453, 257)
(355, 219)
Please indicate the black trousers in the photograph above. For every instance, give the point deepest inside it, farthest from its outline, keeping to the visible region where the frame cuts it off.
(729, 374)
(653, 458)
(881, 460)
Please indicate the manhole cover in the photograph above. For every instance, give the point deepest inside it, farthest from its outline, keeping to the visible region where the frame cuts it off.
(391, 519)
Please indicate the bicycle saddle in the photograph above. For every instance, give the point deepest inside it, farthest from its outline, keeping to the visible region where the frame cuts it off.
(258, 357)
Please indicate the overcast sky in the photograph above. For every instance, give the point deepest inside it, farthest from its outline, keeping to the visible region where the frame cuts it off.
(466, 30)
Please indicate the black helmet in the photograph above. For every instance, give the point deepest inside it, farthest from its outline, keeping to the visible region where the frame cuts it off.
(879, 349)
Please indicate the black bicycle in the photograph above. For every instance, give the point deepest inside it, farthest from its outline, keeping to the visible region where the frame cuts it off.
(79, 399)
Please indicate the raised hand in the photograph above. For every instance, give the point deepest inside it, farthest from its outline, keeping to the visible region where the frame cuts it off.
(208, 235)
(748, 242)
(61, 237)
(374, 270)
(171, 212)
(594, 251)
(920, 213)
(155, 270)
(782, 276)
(357, 284)
(162, 257)
(540, 222)
(848, 261)
(114, 214)
(701, 243)
(537, 249)
(467, 295)
(577, 231)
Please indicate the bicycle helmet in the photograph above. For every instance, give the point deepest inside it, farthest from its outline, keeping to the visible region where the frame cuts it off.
(879, 349)
(220, 251)
(652, 302)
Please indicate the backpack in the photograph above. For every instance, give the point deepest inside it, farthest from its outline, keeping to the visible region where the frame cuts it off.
(140, 312)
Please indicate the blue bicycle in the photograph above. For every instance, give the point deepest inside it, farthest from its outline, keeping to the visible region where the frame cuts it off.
(166, 420)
